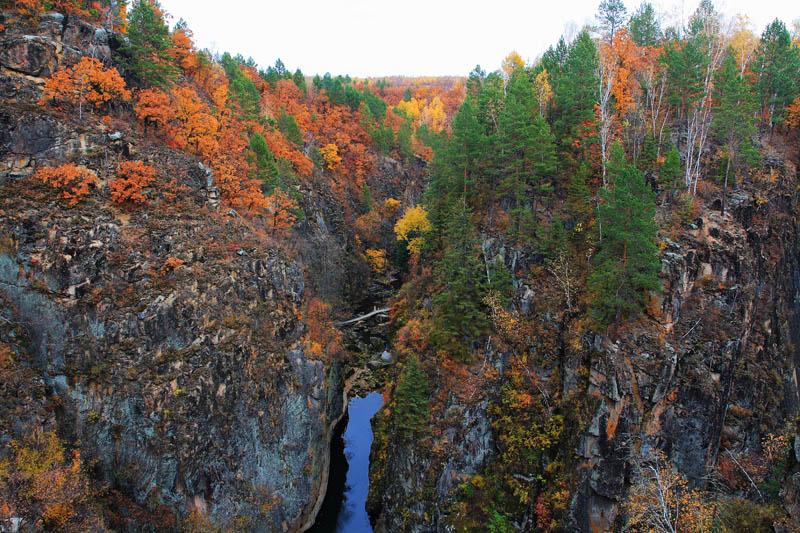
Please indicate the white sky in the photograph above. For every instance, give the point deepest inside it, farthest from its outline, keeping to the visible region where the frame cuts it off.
(414, 37)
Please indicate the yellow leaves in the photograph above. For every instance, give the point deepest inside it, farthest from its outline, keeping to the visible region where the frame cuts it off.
(153, 106)
(793, 114)
(412, 109)
(390, 205)
(434, 115)
(743, 41)
(512, 62)
(377, 260)
(330, 153)
(543, 91)
(412, 227)
(660, 500)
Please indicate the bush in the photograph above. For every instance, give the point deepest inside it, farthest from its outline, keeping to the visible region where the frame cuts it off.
(132, 178)
(72, 182)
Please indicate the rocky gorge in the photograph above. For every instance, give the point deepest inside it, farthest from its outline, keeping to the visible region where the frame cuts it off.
(182, 350)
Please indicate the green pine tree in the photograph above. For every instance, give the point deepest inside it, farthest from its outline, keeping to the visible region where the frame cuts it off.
(626, 265)
(734, 124)
(145, 55)
(777, 62)
(459, 316)
(669, 175)
(411, 412)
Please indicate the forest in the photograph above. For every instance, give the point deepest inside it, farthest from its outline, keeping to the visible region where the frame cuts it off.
(581, 219)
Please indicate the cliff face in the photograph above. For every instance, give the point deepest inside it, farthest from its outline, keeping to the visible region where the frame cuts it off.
(707, 375)
(170, 337)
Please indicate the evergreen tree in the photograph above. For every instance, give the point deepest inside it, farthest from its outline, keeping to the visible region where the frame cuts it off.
(145, 55)
(266, 166)
(575, 98)
(626, 265)
(527, 153)
(777, 62)
(669, 175)
(645, 29)
(411, 412)
(366, 199)
(611, 15)
(458, 310)
(407, 95)
(404, 141)
(465, 154)
(299, 80)
(288, 126)
(733, 116)
(242, 90)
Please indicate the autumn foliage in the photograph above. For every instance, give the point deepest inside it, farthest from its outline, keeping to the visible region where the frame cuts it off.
(71, 182)
(154, 108)
(132, 178)
(41, 483)
(87, 82)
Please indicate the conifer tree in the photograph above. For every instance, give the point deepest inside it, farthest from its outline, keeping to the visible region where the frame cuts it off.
(645, 29)
(777, 63)
(458, 312)
(575, 98)
(527, 153)
(669, 175)
(733, 117)
(410, 413)
(626, 265)
(146, 56)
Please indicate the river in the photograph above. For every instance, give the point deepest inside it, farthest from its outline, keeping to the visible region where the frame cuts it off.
(348, 483)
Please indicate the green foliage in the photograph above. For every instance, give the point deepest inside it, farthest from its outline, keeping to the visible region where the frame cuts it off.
(669, 175)
(366, 199)
(243, 92)
(145, 55)
(777, 62)
(407, 95)
(288, 126)
(404, 141)
(644, 26)
(574, 87)
(626, 265)
(266, 166)
(299, 80)
(459, 315)
(410, 410)
(499, 523)
(527, 162)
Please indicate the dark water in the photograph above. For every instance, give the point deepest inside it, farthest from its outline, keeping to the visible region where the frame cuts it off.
(348, 482)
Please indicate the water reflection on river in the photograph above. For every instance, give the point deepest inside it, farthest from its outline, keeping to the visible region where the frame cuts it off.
(343, 509)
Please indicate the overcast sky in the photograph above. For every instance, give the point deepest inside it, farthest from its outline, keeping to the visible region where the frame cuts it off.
(415, 37)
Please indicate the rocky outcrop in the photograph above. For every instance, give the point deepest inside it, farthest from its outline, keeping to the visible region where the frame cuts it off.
(38, 48)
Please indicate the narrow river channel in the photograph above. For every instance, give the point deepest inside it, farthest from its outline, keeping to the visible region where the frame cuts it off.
(348, 483)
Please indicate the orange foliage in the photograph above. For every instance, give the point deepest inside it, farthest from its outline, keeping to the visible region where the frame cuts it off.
(279, 206)
(132, 178)
(184, 52)
(153, 107)
(197, 127)
(322, 340)
(86, 82)
(72, 182)
(40, 481)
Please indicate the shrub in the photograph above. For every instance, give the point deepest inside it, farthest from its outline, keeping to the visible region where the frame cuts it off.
(132, 178)
(71, 182)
